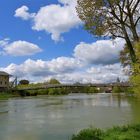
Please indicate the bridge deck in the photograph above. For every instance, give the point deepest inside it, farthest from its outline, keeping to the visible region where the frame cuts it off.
(75, 85)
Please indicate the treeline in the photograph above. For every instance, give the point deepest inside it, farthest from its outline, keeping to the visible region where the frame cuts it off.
(63, 91)
(127, 90)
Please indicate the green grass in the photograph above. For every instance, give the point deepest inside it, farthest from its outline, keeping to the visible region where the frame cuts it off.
(129, 132)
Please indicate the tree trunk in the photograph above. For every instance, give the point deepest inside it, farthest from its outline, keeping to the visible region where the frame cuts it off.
(131, 50)
(135, 35)
(133, 30)
(129, 45)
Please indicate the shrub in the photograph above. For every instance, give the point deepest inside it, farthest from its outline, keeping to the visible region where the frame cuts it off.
(117, 89)
(92, 90)
(129, 132)
(89, 134)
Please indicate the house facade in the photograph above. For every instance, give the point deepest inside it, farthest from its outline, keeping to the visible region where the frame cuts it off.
(4, 80)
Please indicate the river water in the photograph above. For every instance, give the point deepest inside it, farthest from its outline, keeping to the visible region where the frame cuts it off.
(58, 117)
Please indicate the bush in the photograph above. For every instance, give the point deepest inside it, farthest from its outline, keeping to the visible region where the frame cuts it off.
(58, 91)
(92, 90)
(89, 134)
(43, 92)
(117, 89)
(130, 132)
(123, 133)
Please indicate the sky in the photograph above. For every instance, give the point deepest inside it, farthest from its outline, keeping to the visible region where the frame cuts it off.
(44, 39)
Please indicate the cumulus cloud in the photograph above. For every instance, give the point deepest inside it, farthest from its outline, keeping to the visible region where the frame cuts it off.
(23, 13)
(66, 70)
(97, 74)
(108, 73)
(54, 19)
(99, 52)
(102, 54)
(40, 68)
(19, 48)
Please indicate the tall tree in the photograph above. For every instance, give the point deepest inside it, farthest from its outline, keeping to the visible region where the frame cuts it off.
(53, 81)
(135, 77)
(115, 18)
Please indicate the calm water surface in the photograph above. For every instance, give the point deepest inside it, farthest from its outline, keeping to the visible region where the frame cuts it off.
(57, 118)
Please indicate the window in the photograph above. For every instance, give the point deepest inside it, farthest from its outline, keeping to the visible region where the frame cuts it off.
(0, 82)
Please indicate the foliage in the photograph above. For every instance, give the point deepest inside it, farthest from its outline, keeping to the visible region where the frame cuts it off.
(53, 81)
(135, 78)
(112, 17)
(93, 90)
(130, 132)
(33, 85)
(117, 89)
(7, 95)
(24, 82)
(50, 91)
(59, 91)
(89, 134)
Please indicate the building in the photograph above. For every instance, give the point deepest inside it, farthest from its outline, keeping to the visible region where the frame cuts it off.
(4, 80)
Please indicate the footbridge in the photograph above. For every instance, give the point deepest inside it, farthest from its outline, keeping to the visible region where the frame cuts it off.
(47, 86)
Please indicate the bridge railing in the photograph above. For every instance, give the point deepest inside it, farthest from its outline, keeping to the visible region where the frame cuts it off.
(45, 86)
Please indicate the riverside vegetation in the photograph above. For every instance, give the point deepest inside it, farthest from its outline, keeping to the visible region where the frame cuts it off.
(129, 132)
(63, 91)
(7, 95)
(58, 91)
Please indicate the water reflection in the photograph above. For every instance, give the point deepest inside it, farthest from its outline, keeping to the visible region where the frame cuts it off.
(57, 118)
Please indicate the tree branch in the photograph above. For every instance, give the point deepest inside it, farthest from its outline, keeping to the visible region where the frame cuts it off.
(137, 21)
(135, 6)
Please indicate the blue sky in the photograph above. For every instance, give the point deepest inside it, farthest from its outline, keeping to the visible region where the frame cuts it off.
(44, 39)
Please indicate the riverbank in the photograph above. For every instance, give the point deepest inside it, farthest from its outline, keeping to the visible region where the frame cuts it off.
(129, 132)
(53, 91)
(7, 95)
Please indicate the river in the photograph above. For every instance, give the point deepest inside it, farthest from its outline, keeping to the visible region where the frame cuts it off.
(58, 117)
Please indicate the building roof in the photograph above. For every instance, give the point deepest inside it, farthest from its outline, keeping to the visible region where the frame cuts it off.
(4, 73)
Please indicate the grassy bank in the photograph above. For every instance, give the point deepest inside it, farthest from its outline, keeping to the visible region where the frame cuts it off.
(7, 95)
(130, 132)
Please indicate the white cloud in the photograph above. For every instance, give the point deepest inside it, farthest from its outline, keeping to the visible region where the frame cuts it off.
(103, 53)
(54, 19)
(40, 68)
(98, 74)
(19, 48)
(63, 64)
(99, 52)
(23, 13)
(108, 73)
(66, 70)
(4, 42)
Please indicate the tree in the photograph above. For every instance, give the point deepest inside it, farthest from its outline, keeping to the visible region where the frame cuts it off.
(118, 80)
(23, 82)
(135, 77)
(114, 18)
(53, 81)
